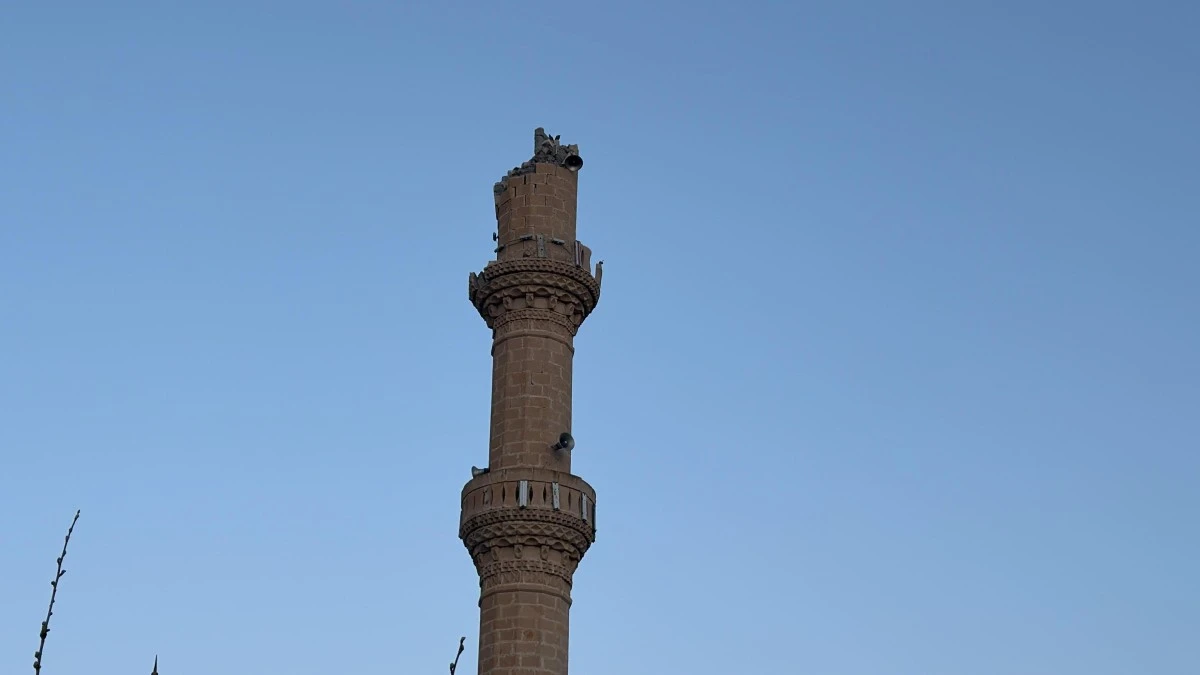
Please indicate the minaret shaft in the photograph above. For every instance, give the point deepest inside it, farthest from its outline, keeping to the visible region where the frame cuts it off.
(531, 396)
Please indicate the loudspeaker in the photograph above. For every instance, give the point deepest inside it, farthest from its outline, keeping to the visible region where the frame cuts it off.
(476, 472)
(565, 442)
(573, 163)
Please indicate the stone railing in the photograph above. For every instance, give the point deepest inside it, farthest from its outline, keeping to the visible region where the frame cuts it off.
(533, 489)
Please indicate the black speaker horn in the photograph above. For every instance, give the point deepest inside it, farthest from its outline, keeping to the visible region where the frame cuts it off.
(573, 163)
(565, 442)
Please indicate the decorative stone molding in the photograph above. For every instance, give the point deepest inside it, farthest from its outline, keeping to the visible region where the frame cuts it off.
(525, 568)
(553, 286)
(557, 318)
(550, 302)
(526, 579)
(563, 275)
(500, 528)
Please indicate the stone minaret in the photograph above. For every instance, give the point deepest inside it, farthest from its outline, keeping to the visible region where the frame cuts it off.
(526, 519)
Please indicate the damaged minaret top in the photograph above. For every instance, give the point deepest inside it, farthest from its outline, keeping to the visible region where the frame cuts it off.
(546, 150)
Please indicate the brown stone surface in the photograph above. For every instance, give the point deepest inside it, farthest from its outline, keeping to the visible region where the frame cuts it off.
(531, 399)
(528, 522)
(538, 203)
(523, 632)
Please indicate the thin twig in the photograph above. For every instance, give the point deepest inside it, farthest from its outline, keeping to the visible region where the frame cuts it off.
(454, 665)
(37, 656)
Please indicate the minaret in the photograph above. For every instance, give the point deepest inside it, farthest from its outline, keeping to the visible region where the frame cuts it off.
(526, 519)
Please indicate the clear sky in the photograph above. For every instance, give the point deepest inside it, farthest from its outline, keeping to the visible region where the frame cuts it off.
(895, 370)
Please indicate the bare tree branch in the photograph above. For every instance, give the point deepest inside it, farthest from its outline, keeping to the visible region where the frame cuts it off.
(454, 665)
(37, 656)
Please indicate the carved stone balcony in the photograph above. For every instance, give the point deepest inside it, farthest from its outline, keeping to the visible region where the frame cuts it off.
(527, 527)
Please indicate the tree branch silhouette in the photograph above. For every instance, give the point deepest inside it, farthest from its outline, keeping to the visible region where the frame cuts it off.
(37, 656)
(454, 665)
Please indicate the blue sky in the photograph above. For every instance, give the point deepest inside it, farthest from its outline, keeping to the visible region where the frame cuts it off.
(895, 371)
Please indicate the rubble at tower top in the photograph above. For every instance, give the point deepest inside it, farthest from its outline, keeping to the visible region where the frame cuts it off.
(546, 150)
